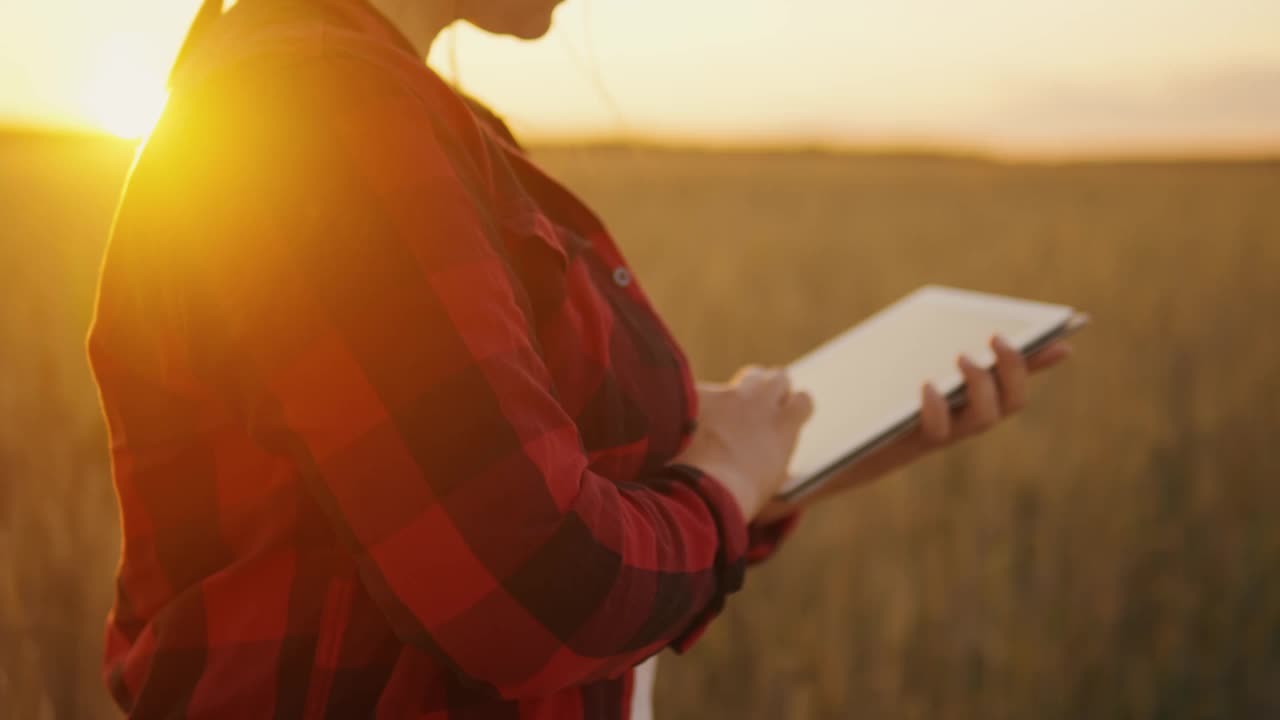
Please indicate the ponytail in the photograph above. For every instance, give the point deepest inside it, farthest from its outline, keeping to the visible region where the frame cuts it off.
(210, 11)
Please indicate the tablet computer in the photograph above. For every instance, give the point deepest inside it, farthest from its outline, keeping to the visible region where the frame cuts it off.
(865, 382)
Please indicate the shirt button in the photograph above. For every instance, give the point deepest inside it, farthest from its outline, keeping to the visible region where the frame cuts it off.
(621, 276)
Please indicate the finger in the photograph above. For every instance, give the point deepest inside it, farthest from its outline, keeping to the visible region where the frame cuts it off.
(771, 384)
(1011, 370)
(982, 408)
(797, 408)
(755, 376)
(935, 415)
(1050, 355)
(784, 382)
(747, 373)
(767, 383)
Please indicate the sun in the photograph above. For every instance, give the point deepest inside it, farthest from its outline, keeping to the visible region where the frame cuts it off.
(126, 92)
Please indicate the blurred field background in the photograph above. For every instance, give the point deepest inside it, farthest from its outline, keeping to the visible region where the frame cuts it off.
(1112, 553)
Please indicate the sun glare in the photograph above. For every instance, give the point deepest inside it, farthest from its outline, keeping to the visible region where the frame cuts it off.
(127, 89)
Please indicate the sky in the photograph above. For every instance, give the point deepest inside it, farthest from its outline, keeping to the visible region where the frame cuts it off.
(1014, 76)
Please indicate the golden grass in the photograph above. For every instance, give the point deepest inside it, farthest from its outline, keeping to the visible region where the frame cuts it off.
(1113, 552)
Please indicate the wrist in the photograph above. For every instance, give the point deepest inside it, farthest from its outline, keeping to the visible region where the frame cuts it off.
(743, 495)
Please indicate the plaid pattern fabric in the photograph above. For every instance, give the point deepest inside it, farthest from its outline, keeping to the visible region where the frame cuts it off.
(390, 420)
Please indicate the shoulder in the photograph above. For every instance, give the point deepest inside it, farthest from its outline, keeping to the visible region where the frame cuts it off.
(303, 123)
(295, 115)
(304, 76)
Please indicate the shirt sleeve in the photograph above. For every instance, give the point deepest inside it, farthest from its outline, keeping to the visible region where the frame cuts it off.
(344, 285)
(764, 539)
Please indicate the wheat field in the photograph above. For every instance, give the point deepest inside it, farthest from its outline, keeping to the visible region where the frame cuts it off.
(1113, 552)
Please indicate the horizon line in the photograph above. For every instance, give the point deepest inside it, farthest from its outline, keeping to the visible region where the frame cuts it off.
(924, 149)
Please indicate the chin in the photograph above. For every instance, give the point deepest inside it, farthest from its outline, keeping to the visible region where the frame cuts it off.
(534, 29)
(524, 19)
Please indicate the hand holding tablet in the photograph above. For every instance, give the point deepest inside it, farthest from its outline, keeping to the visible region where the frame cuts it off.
(865, 383)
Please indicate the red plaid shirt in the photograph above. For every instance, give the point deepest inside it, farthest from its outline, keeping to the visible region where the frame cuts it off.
(390, 418)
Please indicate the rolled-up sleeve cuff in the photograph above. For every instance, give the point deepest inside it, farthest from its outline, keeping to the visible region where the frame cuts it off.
(731, 555)
(763, 540)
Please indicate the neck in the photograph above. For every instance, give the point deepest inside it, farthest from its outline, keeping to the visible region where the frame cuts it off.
(421, 21)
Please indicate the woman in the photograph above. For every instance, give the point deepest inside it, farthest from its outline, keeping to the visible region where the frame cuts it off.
(394, 429)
